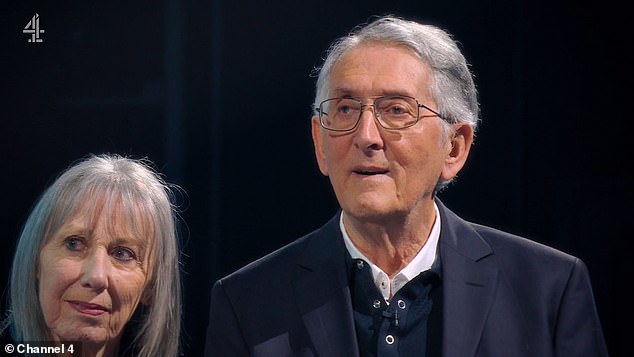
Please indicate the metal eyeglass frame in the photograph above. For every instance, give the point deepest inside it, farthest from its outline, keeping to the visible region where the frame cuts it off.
(376, 116)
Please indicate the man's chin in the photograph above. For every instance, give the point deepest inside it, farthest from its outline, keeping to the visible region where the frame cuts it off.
(369, 212)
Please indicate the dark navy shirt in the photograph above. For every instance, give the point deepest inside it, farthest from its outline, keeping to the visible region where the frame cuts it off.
(410, 325)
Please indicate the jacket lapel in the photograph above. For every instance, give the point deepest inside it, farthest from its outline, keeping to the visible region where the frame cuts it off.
(469, 276)
(322, 293)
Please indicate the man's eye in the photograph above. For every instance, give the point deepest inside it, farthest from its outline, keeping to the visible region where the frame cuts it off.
(396, 109)
(123, 254)
(344, 109)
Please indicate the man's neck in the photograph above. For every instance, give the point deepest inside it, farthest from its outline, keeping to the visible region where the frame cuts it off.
(393, 242)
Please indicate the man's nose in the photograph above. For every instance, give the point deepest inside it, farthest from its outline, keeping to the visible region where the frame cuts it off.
(368, 133)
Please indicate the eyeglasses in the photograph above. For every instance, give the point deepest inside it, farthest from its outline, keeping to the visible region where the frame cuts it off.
(392, 112)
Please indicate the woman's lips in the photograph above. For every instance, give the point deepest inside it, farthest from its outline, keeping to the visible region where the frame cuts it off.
(88, 308)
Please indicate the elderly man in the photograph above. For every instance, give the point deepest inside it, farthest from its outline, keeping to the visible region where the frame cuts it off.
(395, 272)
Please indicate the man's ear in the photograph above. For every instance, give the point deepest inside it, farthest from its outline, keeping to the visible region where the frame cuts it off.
(460, 146)
(318, 143)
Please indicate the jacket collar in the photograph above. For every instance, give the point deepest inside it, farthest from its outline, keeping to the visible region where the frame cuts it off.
(322, 294)
(469, 276)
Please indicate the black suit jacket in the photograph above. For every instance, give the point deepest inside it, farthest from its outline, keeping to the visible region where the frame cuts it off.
(503, 295)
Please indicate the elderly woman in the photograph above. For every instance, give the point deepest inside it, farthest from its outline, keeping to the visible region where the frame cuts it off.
(97, 262)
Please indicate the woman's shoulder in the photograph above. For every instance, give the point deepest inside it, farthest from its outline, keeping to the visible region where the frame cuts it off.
(5, 334)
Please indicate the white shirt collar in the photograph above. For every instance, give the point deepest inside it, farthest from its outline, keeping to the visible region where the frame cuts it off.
(421, 262)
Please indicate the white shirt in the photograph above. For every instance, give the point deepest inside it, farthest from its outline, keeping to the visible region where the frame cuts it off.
(421, 262)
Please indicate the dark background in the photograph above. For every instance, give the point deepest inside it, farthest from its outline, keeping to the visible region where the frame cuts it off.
(218, 95)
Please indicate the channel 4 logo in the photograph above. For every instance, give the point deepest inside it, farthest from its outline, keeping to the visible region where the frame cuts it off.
(33, 28)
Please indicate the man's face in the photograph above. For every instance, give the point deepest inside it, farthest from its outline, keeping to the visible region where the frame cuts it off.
(377, 173)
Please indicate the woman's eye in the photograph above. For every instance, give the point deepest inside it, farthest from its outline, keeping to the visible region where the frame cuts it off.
(74, 244)
(123, 254)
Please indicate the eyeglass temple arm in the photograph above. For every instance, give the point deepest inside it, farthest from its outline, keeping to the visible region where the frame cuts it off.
(431, 110)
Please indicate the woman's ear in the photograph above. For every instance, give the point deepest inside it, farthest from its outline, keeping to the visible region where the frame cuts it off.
(460, 145)
(147, 298)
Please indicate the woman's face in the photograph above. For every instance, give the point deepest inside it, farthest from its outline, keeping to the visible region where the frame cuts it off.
(92, 274)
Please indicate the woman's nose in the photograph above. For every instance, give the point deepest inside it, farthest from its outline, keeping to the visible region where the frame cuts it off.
(95, 270)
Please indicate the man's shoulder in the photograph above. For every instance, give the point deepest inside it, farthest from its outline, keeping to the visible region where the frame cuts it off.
(278, 264)
(275, 260)
(517, 254)
(503, 241)
(517, 246)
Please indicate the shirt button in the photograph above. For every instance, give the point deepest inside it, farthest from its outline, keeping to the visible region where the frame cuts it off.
(359, 264)
(401, 304)
(376, 304)
(389, 339)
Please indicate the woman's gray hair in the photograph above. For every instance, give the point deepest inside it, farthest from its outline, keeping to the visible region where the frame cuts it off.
(453, 88)
(106, 180)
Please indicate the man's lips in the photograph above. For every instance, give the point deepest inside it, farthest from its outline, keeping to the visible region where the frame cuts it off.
(369, 171)
(88, 308)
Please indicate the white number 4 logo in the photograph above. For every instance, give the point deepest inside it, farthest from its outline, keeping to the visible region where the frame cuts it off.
(33, 28)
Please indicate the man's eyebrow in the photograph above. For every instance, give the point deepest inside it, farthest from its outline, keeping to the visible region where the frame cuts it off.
(343, 92)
